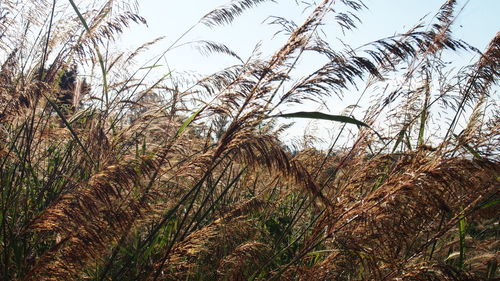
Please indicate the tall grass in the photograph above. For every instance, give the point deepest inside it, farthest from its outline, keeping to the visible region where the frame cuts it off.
(107, 175)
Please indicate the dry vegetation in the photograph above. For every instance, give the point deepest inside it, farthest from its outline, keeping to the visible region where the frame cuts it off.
(107, 176)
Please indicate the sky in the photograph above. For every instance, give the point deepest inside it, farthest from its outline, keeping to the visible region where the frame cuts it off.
(476, 24)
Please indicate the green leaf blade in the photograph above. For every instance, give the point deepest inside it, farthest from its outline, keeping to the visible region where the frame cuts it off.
(322, 116)
(188, 121)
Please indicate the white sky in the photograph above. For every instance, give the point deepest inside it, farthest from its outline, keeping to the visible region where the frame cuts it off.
(477, 24)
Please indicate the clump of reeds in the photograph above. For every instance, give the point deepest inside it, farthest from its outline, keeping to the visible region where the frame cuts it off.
(105, 175)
